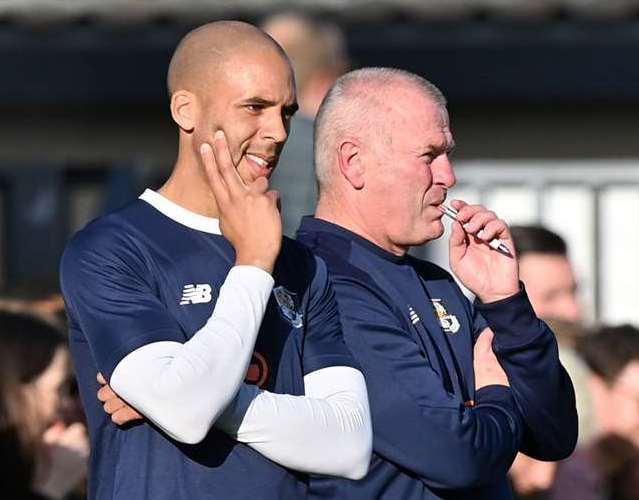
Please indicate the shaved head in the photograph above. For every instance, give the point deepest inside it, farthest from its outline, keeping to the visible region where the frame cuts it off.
(233, 77)
(202, 53)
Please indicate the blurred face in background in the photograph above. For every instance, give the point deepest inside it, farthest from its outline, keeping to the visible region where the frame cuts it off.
(44, 393)
(551, 286)
(616, 404)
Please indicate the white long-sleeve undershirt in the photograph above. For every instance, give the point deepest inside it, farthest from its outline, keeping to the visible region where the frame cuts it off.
(327, 431)
(185, 388)
(171, 383)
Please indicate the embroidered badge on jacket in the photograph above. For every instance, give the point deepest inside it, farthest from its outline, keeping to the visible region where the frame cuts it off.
(289, 309)
(450, 323)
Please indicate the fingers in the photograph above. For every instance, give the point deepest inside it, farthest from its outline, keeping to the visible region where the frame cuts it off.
(479, 221)
(225, 164)
(259, 185)
(493, 229)
(216, 182)
(105, 393)
(125, 415)
(112, 405)
(484, 343)
(121, 413)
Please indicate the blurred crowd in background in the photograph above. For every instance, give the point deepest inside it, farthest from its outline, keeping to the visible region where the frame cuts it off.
(56, 176)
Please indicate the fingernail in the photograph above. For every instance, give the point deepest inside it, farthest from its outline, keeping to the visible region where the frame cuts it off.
(219, 134)
(205, 148)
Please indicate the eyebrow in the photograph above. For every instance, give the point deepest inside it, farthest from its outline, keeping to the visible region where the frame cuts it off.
(291, 108)
(440, 148)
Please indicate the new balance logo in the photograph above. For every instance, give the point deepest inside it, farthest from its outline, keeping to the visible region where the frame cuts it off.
(196, 294)
(413, 315)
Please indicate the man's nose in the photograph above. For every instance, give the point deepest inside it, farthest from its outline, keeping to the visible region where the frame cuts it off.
(444, 173)
(275, 129)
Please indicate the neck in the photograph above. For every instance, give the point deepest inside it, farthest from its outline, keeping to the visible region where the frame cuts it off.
(188, 185)
(348, 216)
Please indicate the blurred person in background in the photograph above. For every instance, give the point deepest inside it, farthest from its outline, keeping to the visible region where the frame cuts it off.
(547, 273)
(318, 52)
(546, 270)
(608, 467)
(41, 297)
(41, 456)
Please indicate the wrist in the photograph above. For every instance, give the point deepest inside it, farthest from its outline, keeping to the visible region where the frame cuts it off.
(492, 297)
(265, 264)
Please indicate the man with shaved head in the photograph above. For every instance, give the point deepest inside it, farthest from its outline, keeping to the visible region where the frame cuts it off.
(455, 390)
(201, 317)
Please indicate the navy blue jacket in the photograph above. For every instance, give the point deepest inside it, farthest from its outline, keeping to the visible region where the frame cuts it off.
(412, 331)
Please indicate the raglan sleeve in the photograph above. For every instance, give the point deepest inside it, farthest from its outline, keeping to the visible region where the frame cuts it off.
(110, 298)
(324, 344)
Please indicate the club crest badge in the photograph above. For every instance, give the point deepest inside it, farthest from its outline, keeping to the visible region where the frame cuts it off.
(258, 370)
(450, 323)
(289, 309)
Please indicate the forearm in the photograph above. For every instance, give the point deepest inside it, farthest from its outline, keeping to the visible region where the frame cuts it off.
(183, 388)
(327, 431)
(527, 350)
(450, 447)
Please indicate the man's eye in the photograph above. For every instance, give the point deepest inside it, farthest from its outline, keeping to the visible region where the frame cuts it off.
(429, 157)
(253, 108)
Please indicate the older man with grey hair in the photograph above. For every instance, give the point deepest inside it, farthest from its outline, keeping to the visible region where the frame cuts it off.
(455, 388)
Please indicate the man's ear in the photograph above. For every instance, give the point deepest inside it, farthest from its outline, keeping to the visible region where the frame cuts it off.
(350, 162)
(183, 109)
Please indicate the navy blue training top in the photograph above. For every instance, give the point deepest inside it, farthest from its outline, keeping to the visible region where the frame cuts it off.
(412, 331)
(124, 279)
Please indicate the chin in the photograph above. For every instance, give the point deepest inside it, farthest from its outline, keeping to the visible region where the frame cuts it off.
(433, 231)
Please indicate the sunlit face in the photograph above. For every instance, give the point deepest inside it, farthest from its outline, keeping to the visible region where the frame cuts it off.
(44, 393)
(253, 103)
(551, 286)
(409, 174)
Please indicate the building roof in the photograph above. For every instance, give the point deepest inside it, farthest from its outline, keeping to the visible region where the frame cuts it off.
(135, 11)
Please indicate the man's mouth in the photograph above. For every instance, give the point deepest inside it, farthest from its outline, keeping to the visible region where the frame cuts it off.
(262, 164)
(261, 161)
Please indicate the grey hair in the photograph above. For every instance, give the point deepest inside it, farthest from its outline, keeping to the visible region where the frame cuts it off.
(348, 104)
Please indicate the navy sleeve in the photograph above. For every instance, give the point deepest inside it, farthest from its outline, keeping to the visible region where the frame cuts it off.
(417, 424)
(324, 343)
(527, 350)
(109, 300)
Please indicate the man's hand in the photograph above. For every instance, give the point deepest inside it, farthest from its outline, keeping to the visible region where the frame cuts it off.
(488, 371)
(489, 274)
(249, 216)
(121, 413)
